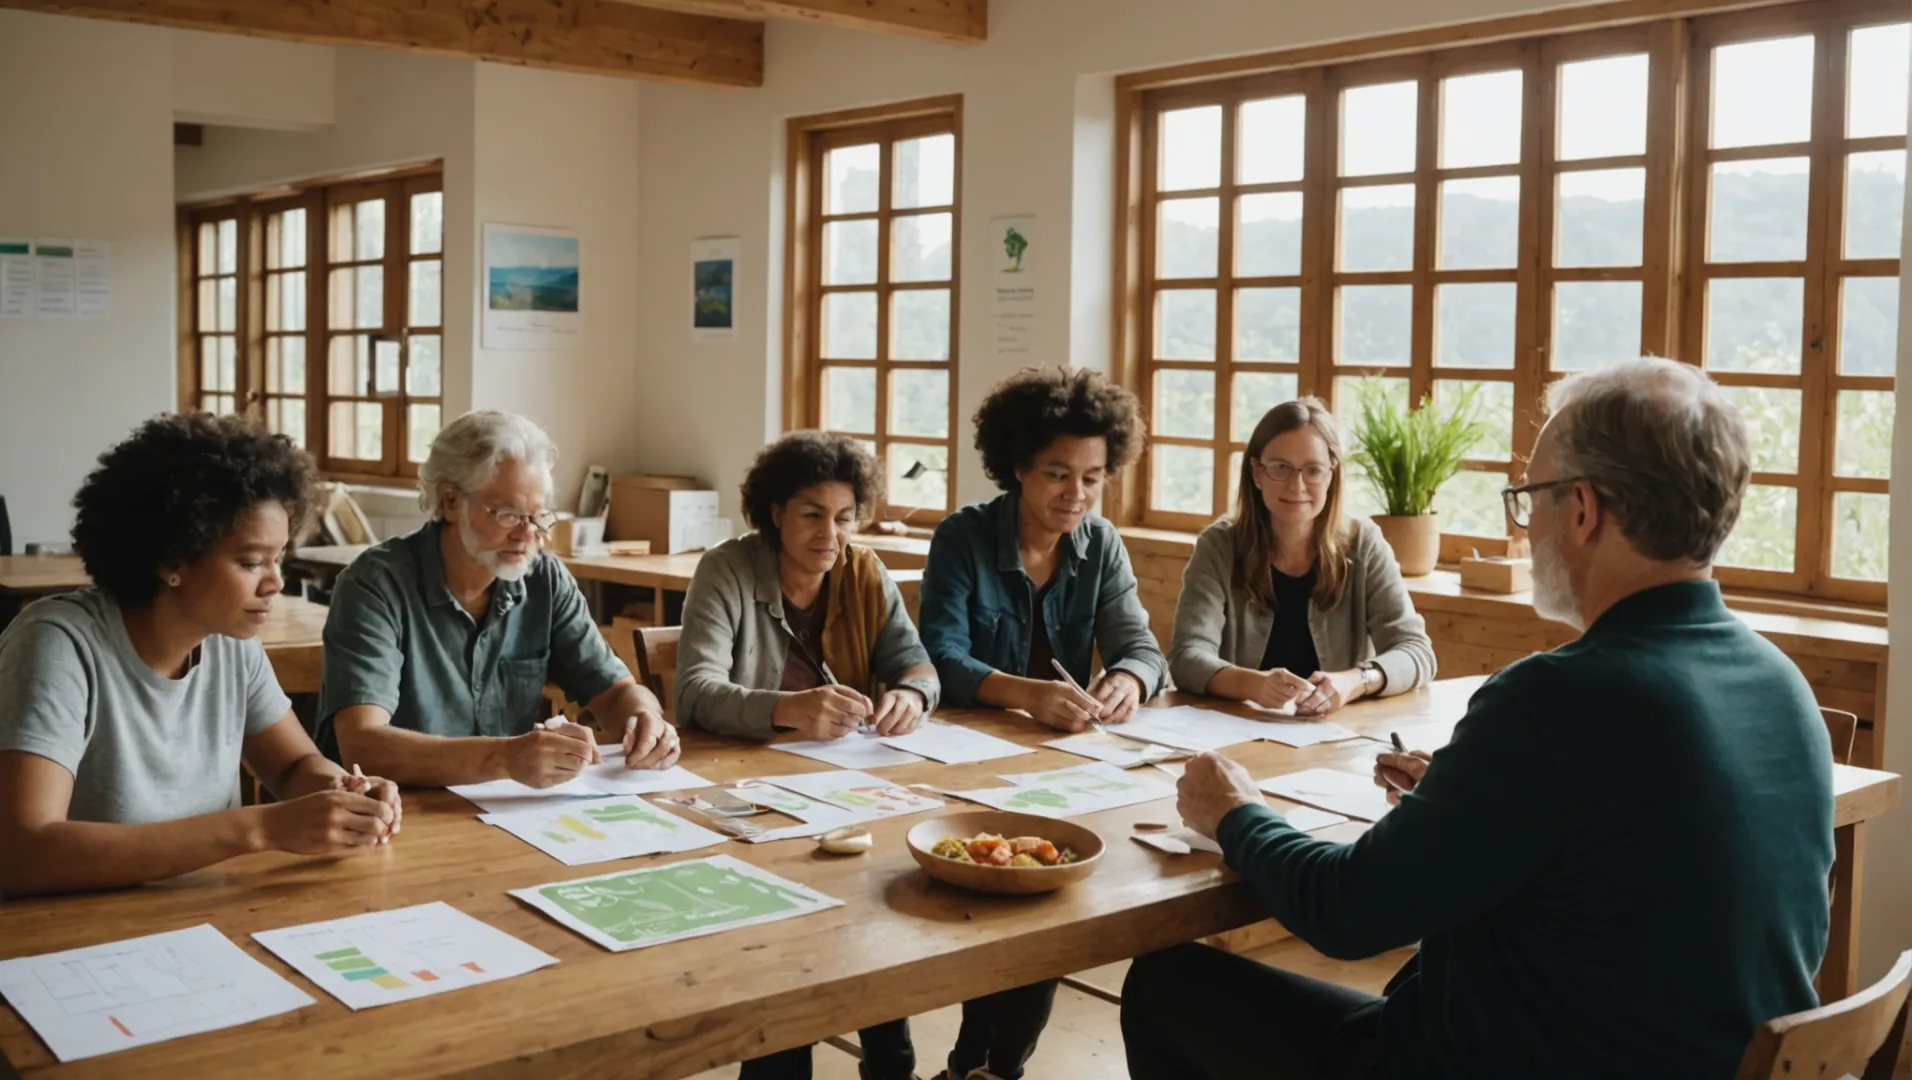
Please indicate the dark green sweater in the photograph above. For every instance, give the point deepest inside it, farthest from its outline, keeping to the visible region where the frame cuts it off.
(1616, 869)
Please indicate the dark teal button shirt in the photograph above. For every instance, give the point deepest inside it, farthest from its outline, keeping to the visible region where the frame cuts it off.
(397, 638)
(1617, 868)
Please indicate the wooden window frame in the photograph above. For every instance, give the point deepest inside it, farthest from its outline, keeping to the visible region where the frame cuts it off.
(252, 213)
(808, 139)
(1677, 38)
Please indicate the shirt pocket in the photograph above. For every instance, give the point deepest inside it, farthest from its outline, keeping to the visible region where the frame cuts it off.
(521, 688)
(987, 635)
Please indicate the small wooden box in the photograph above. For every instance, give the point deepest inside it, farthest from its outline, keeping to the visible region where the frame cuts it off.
(1497, 575)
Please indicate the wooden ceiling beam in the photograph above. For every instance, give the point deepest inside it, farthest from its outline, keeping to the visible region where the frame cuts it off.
(595, 37)
(958, 22)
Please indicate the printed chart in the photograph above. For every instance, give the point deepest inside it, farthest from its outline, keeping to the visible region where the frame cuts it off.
(594, 782)
(1061, 793)
(858, 791)
(95, 1000)
(388, 956)
(659, 904)
(603, 829)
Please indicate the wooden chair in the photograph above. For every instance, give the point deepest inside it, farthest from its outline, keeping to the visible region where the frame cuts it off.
(657, 658)
(1844, 728)
(1864, 1032)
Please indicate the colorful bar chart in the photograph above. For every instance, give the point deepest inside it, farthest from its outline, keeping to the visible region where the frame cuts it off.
(355, 966)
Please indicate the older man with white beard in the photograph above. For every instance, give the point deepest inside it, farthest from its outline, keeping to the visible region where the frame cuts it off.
(1618, 865)
(439, 643)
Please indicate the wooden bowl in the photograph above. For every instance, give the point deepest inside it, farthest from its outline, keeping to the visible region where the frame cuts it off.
(1014, 880)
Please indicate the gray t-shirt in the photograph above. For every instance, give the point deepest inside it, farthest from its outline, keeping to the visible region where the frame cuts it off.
(141, 748)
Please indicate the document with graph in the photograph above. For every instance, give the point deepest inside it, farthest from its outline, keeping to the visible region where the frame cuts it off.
(92, 1001)
(603, 829)
(386, 956)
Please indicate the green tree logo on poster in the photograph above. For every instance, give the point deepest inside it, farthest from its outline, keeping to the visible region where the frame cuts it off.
(1014, 243)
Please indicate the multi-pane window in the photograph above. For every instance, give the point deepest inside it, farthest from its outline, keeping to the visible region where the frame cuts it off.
(1725, 191)
(877, 298)
(213, 300)
(346, 276)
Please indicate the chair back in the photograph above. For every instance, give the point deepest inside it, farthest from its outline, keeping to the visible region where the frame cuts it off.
(1844, 728)
(6, 529)
(1860, 1036)
(657, 658)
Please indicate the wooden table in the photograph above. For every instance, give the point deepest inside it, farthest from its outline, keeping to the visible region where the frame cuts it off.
(292, 637)
(26, 578)
(901, 945)
(661, 573)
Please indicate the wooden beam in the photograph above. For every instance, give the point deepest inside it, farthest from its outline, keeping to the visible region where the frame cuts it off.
(956, 22)
(594, 37)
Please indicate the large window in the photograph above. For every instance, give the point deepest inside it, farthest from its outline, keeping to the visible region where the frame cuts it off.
(874, 295)
(1724, 190)
(348, 275)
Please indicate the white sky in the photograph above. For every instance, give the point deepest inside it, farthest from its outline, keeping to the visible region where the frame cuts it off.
(1761, 93)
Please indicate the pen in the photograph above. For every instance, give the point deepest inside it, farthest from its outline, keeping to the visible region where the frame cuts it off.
(1399, 748)
(1070, 679)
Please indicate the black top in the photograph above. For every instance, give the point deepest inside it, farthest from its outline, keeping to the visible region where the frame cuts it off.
(1290, 645)
(1041, 652)
(801, 669)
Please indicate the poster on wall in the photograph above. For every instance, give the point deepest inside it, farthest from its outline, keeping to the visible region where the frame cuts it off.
(713, 278)
(532, 277)
(18, 280)
(1013, 307)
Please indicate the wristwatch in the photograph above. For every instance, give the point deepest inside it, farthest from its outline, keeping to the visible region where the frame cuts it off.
(1373, 679)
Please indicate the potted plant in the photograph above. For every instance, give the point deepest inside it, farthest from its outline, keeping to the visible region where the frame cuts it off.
(1408, 454)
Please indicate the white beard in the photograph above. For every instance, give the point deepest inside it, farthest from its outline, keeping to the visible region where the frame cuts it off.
(493, 561)
(1553, 585)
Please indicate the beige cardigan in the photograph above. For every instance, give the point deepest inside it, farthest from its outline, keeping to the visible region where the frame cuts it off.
(1216, 626)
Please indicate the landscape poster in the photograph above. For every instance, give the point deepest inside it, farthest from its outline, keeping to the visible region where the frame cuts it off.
(531, 283)
(713, 282)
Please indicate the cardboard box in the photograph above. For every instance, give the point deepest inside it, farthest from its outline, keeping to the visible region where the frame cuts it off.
(576, 536)
(675, 513)
(1497, 575)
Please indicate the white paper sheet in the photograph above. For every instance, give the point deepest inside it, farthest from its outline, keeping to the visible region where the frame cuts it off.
(1193, 729)
(1305, 732)
(657, 904)
(1083, 789)
(857, 750)
(19, 278)
(386, 956)
(595, 782)
(102, 998)
(954, 745)
(817, 816)
(1115, 750)
(857, 791)
(1342, 792)
(620, 827)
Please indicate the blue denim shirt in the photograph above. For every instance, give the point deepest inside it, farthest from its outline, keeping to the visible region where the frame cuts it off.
(977, 601)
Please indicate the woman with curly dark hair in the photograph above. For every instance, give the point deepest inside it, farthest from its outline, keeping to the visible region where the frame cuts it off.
(1029, 585)
(794, 628)
(126, 709)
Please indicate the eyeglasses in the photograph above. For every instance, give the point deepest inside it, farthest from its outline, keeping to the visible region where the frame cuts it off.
(1519, 501)
(1313, 474)
(509, 520)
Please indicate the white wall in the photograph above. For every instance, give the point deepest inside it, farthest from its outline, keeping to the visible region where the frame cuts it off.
(88, 127)
(1038, 139)
(252, 82)
(561, 150)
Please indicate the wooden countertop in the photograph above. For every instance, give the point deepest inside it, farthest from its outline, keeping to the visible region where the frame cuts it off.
(38, 575)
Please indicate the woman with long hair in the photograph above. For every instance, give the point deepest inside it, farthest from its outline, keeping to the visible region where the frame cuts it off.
(1287, 600)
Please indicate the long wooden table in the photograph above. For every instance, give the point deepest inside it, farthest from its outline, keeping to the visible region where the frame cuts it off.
(25, 578)
(900, 945)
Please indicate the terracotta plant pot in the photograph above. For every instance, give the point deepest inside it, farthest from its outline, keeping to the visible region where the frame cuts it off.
(1416, 541)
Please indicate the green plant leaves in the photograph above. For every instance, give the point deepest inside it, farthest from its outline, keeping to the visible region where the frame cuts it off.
(1409, 455)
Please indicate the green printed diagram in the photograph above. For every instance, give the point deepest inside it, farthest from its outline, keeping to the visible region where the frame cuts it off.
(681, 900)
(1033, 798)
(354, 966)
(1067, 792)
(567, 829)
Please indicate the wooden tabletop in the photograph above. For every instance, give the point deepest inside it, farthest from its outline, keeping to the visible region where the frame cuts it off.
(901, 945)
(38, 575)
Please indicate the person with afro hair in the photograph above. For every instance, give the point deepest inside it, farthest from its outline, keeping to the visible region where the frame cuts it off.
(1029, 581)
(127, 708)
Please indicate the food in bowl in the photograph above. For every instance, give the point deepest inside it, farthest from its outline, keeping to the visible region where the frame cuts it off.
(988, 849)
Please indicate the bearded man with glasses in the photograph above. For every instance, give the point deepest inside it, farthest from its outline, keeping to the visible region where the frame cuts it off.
(1616, 868)
(439, 643)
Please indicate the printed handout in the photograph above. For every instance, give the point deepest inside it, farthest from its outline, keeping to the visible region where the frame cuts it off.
(386, 956)
(658, 904)
(619, 827)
